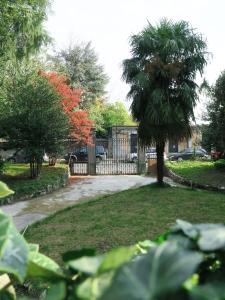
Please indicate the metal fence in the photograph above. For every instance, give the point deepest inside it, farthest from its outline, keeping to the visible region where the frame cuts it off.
(117, 154)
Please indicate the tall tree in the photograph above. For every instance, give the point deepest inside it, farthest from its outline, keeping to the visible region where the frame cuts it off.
(32, 117)
(21, 27)
(105, 115)
(161, 73)
(80, 124)
(80, 64)
(214, 130)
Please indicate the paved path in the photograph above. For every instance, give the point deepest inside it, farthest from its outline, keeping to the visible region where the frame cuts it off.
(80, 189)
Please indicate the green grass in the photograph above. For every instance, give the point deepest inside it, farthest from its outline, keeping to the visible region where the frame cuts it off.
(17, 178)
(124, 218)
(202, 172)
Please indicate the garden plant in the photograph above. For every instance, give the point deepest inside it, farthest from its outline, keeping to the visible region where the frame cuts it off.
(187, 262)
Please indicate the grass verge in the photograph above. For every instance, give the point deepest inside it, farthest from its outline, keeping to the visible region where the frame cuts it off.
(16, 176)
(201, 172)
(124, 218)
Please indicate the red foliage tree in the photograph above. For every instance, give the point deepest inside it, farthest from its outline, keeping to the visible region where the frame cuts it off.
(81, 125)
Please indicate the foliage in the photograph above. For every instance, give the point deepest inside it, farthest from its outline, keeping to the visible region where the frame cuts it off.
(123, 218)
(80, 125)
(220, 164)
(17, 178)
(31, 115)
(200, 172)
(214, 131)
(186, 263)
(2, 166)
(105, 115)
(161, 73)
(21, 27)
(80, 63)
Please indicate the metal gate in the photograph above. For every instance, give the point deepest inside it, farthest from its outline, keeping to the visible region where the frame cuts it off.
(118, 154)
(118, 158)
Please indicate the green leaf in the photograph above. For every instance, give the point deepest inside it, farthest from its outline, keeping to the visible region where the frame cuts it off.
(5, 295)
(33, 247)
(187, 228)
(10, 291)
(116, 258)
(143, 247)
(4, 228)
(4, 190)
(13, 249)
(94, 287)
(213, 291)
(41, 266)
(103, 263)
(57, 291)
(86, 264)
(163, 270)
(212, 239)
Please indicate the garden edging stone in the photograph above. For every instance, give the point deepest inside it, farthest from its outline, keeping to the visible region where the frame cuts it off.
(61, 182)
(189, 183)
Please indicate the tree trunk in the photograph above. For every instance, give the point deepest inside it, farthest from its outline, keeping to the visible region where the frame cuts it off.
(52, 160)
(35, 167)
(160, 162)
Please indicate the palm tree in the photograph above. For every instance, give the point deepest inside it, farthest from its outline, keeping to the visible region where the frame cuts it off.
(161, 73)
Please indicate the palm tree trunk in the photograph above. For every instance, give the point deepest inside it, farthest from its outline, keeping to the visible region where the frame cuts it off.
(160, 161)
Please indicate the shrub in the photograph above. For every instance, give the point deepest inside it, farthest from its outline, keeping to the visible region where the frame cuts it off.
(187, 263)
(2, 166)
(220, 164)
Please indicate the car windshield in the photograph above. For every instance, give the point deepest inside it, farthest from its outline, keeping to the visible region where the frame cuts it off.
(151, 150)
(100, 149)
(188, 150)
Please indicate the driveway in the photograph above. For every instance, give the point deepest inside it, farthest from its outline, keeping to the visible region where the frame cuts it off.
(80, 189)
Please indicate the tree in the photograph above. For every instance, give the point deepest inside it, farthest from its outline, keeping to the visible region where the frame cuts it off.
(21, 27)
(214, 130)
(80, 64)
(32, 117)
(105, 115)
(161, 73)
(80, 124)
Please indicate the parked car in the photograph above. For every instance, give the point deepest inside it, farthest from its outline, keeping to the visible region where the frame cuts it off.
(189, 153)
(150, 153)
(82, 154)
(16, 156)
(6, 154)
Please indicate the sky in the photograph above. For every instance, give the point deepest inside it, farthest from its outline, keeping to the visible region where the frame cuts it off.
(109, 24)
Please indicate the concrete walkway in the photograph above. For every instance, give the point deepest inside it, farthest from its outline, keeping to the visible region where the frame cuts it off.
(81, 188)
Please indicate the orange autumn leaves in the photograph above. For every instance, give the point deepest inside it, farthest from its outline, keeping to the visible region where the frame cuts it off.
(81, 125)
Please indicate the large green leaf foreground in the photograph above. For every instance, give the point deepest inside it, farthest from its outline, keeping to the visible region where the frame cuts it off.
(188, 262)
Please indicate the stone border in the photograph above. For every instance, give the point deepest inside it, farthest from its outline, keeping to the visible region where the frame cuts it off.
(181, 180)
(62, 181)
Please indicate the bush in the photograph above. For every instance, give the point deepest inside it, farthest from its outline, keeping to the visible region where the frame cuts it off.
(220, 164)
(187, 263)
(2, 166)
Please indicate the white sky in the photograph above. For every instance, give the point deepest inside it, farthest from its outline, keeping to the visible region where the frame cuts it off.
(109, 24)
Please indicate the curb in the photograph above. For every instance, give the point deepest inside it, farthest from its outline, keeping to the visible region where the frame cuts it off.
(62, 181)
(181, 180)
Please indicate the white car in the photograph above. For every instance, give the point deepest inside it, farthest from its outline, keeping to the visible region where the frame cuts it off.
(150, 153)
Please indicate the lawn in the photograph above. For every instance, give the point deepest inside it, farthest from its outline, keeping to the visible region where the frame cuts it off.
(17, 178)
(124, 218)
(202, 172)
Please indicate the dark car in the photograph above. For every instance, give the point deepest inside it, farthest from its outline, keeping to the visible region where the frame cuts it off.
(82, 154)
(188, 154)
